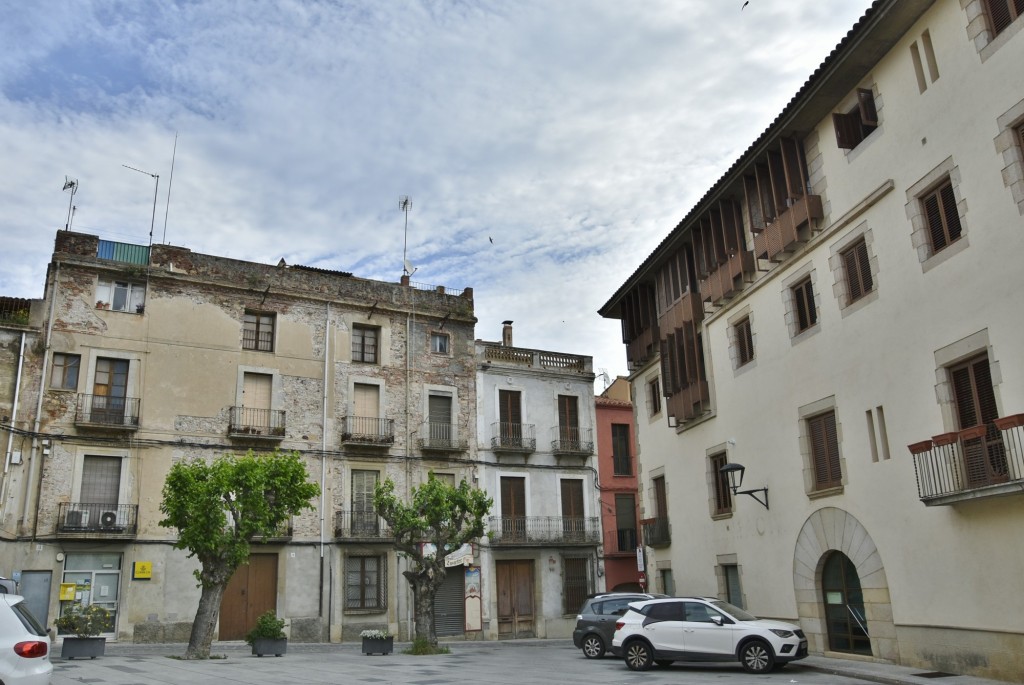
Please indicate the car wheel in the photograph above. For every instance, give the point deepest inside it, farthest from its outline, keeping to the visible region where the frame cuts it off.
(639, 656)
(593, 647)
(756, 657)
(663, 663)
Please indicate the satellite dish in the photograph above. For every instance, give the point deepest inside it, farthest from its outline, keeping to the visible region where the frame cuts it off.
(409, 268)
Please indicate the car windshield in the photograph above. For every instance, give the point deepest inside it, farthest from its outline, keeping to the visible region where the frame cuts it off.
(734, 611)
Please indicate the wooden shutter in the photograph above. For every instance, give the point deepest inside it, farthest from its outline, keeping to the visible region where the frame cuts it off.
(949, 211)
(363, 485)
(660, 498)
(848, 132)
(513, 497)
(984, 457)
(568, 416)
(803, 301)
(825, 450)
(858, 270)
(1002, 13)
(723, 498)
(366, 401)
(744, 341)
(866, 107)
(942, 216)
(509, 408)
(572, 498)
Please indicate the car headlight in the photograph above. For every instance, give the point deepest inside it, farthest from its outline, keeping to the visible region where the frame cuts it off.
(782, 633)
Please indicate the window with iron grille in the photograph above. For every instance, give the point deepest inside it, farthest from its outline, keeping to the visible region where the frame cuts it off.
(364, 343)
(620, 450)
(366, 583)
(854, 126)
(258, 331)
(942, 216)
(857, 269)
(654, 397)
(720, 483)
(824, 442)
(744, 342)
(64, 374)
(575, 583)
(1002, 13)
(803, 305)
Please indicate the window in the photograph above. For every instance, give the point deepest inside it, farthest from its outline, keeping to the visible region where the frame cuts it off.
(744, 342)
(101, 483)
(120, 296)
(668, 583)
(568, 421)
(941, 216)
(720, 484)
(824, 442)
(625, 523)
(439, 343)
(510, 418)
(258, 332)
(364, 344)
(574, 524)
(366, 583)
(364, 518)
(575, 583)
(854, 126)
(64, 374)
(733, 592)
(620, 450)
(803, 304)
(654, 397)
(975, 399)
(1002, 13)
(857, 269)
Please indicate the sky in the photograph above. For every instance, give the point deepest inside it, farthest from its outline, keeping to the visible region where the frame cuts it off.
(547, 146)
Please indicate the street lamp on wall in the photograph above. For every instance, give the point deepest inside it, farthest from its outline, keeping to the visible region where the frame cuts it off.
(734, 472)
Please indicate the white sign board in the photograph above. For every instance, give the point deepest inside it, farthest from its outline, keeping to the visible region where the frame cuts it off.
(640, 559)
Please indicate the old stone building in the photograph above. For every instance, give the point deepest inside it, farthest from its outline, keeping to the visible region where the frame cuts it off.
(149, 355)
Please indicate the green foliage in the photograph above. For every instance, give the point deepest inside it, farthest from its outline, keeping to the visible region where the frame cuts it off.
(84, 621)
(268, 626)
(422, 647)
(218, 506)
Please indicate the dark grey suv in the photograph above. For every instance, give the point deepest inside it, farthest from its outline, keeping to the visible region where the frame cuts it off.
(595, 623)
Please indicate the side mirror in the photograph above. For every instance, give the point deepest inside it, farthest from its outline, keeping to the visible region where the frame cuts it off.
(717, 620)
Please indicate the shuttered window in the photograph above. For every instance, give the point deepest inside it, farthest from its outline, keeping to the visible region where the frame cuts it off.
(568, 418)
(513, 497)
(621, 463)
(825, 450)
(803, 304)
(857, 270)
(1002, 13)
(744, 342)
(366, 583)
(364, 518)
(720, 484)
(854, 126)
(101, 480)
(654, 397)
(984, 456)
(942, 216)
(258, 332)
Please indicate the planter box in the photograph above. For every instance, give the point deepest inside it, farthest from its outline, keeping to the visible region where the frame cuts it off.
(385, 645)
(269, 645)
(91, 647)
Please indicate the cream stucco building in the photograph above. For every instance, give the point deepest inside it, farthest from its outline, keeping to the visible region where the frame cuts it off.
(838, 315)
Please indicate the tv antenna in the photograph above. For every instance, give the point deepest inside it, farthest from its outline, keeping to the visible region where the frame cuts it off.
(405, 204)
(156, 189)
(72, 185)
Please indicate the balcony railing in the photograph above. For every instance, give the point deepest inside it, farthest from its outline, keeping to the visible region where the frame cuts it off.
(621, 542)
(981, 461)
(257, 423)
(787, 230)
(370, 432)
(284, 531)
(360, 525)
(513, 437)
(106, 411)
(543, 530)
(84, 519)
(572, 441)
(441, 437)
(656, 532)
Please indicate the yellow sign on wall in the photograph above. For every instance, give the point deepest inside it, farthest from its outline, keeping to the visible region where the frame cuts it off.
(142, 570)
(67, 592)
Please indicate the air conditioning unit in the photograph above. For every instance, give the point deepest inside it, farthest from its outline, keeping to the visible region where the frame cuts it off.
(76, 519)
(108, 519)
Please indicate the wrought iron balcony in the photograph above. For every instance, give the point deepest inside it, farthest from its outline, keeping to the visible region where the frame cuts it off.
(982, 461)
(572, 441)
(441, 437)
(107, 412)
(656, 532)
(247, 422)
(518, 531)
(513, 437)
(360, 525)
(284, 531)
(621, 542)
(366, 431)
(92, 520)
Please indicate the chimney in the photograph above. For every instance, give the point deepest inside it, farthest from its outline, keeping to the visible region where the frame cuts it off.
(506, 333)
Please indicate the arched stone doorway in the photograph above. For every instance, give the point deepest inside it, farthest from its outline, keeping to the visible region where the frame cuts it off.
(831, 530)
(846, 624)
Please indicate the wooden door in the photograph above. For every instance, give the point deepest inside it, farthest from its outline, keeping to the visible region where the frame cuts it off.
(257, 389)
(109, 391)
(515, 598)
(513, 508)
(251, 592)
(568, 422)
(510, 417)
(985, 455)
(573, 522)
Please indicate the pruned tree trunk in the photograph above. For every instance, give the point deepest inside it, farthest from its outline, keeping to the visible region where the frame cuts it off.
(205, 622)
(424, 588)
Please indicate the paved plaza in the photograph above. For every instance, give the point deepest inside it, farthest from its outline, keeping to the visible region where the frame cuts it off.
(501, 663)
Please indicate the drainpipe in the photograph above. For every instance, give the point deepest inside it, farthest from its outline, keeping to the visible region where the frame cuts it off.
(14, 418)
(323, 452)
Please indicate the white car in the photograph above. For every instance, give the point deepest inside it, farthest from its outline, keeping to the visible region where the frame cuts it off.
(662, 631)
(24, 645)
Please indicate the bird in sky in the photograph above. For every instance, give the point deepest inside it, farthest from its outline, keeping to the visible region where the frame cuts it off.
(744, 5)
(491, 239)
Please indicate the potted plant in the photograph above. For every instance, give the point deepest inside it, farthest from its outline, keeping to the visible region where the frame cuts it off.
(268, 636)
(375, 641)
(86, 623)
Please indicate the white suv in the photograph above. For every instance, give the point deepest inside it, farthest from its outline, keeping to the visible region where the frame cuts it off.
(661, 631)
(24, 645)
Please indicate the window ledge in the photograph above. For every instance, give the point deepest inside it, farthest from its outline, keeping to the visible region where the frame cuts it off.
(350, 612)
(721, 516)
(826, 492)
(804, 334)
(859, 303)
(1000, 40)
(948, 252)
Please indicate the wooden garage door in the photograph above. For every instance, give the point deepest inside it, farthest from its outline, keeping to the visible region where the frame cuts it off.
(251, 592)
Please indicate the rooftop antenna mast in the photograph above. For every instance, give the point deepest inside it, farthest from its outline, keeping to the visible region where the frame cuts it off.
(405, 204)
(72, 185)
